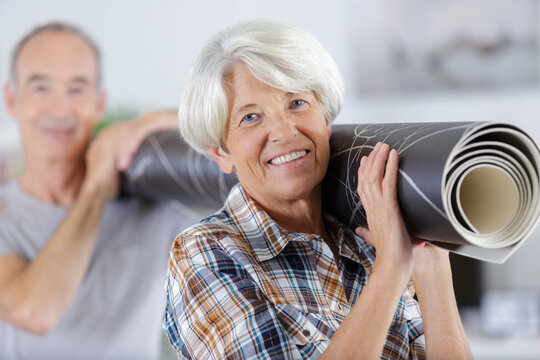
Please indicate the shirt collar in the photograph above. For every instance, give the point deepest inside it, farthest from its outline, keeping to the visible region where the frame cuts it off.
(268, 239)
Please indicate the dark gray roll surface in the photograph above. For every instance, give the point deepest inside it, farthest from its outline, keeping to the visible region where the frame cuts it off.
(167, 168)
(470, 187)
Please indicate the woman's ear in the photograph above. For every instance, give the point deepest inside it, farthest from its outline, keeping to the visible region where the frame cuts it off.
(329, 129)
(222, 158)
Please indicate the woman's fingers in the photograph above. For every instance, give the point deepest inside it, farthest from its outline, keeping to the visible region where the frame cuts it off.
(365, 233)
(373, 168)
(377, 176)
(363, 165)
(371, 158)
(389, 182)
(379, 163)
(377, 188)
(366, 164)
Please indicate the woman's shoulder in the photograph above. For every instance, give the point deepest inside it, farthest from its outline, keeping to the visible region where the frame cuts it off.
(217, 233)
(214, 226)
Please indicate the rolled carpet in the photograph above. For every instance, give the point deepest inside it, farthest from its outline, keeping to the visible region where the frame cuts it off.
(470, 187)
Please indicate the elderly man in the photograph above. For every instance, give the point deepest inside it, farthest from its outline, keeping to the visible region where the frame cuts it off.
(81, 272)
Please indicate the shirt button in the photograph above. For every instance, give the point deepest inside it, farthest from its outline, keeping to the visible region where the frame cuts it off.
(306, 332)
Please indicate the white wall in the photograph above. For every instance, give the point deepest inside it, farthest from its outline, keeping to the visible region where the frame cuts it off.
(148, 47)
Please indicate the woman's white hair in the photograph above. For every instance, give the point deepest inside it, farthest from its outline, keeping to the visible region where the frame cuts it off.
(277, 54)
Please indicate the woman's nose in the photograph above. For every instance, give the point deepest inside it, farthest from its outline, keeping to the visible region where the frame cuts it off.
(282, 128)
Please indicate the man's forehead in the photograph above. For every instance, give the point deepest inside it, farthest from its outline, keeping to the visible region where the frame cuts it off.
(57, 54)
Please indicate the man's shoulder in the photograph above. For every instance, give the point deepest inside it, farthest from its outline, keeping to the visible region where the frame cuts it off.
(12, 200)
(9, 191)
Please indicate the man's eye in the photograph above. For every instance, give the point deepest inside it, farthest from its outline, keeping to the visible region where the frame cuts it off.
(40, 89)
(75, 90)
(250, 119)
(297, 103)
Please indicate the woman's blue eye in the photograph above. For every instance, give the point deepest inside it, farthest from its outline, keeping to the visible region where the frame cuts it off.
(250, 118)
(297, 103)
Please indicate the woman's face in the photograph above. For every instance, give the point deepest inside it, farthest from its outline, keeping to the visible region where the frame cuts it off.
(278, 142)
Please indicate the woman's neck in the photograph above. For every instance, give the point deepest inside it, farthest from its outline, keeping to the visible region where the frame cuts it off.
(298, 215)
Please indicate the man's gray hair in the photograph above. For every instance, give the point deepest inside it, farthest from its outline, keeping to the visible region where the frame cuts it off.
(277, 54)
(56, 26)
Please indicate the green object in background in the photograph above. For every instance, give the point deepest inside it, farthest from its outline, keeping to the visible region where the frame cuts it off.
(115, 114)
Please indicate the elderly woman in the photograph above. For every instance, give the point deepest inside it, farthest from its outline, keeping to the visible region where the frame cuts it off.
(271, 275)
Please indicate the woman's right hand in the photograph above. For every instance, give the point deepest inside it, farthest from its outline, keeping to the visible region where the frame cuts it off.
(364, 331)
(377, 188)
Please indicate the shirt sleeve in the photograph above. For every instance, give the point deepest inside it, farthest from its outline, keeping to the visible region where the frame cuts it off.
(405, 338)
(214, 310)
(406, 334)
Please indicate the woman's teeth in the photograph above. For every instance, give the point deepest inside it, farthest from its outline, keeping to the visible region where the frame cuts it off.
(288, 157)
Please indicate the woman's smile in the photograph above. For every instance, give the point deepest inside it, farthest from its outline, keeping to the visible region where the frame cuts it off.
(291, 158)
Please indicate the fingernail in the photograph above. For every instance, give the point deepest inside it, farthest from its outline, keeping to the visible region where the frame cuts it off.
(393, 154)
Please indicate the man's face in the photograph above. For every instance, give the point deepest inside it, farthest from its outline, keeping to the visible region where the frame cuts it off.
(56, 98)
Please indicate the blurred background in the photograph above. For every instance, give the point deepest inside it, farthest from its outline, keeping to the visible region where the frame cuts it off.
(402, 61)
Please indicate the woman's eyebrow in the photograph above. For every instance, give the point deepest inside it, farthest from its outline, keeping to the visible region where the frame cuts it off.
(299, 93)
(244, 108)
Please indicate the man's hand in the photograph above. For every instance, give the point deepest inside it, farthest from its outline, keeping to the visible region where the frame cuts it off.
(131, 134)
(113, 149)
(101, 164)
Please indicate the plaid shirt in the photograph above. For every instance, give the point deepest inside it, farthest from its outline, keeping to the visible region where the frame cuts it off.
(242, 287)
